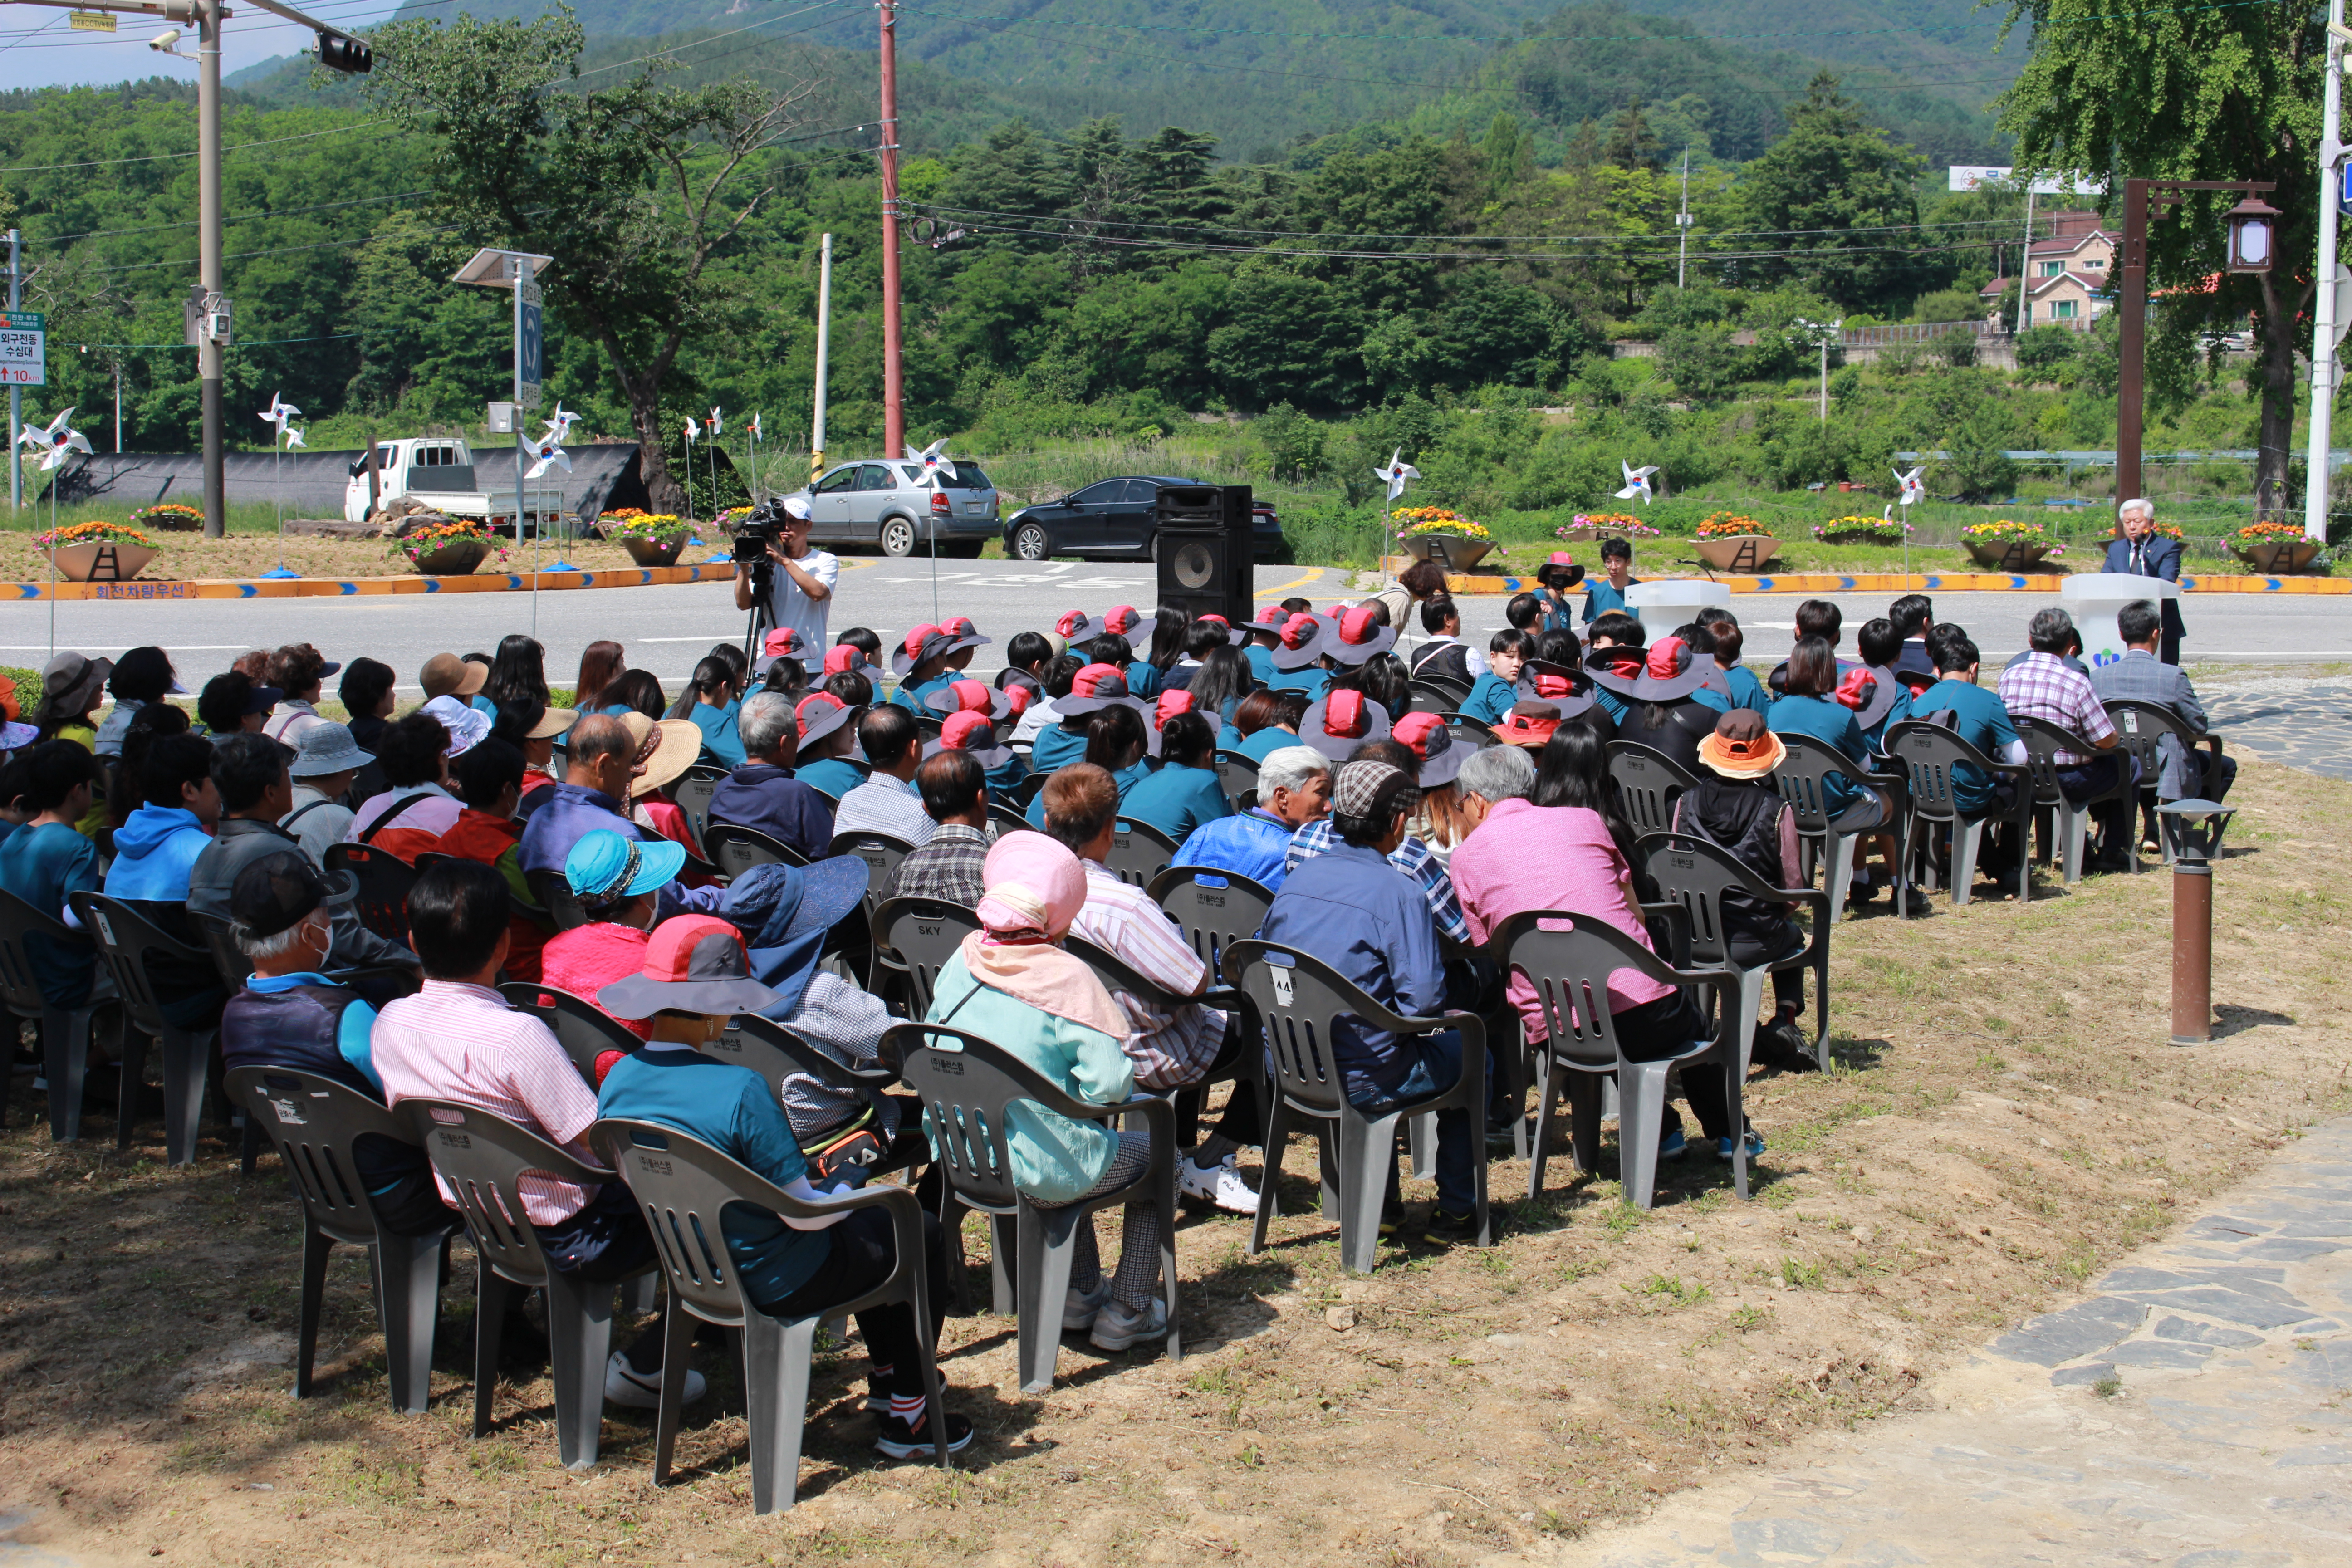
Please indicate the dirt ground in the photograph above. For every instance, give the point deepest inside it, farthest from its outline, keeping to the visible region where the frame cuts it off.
(2003, 1118)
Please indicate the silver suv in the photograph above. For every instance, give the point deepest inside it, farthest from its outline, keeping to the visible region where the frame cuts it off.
(875, 502)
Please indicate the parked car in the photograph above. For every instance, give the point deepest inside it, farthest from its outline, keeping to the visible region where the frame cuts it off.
(439, 472)
(886, 503)
(1115, 517)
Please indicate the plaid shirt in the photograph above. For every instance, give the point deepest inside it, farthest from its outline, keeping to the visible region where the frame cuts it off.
(1169, 1049)
(1412, 857)
(2041, 685)
(947, 869)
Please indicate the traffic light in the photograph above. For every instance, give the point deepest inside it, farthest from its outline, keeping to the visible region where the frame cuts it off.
(338, 53)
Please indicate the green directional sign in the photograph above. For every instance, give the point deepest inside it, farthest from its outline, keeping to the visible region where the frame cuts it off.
(23, 348)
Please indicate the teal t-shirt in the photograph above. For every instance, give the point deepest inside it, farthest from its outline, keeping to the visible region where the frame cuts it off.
(719, 733)
(1261, 661)
(1829, 721)
(1313, 679)
(1599, 598)
(1126, 778)
(916, 698)
(832, 776)
(1177, 800)
(1263, 744)
(732, 1110)
(1490, 699)
(41, 865)
(1983, 722)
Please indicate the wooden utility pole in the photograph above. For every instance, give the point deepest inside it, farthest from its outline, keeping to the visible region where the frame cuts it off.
(894, 386)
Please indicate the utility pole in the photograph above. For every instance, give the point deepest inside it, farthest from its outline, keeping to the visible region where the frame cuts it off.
(824, 341)
(1682, 225)
(16, 394)
(894, 389)
(2025, 261)
(2326, 334)
(209, 340)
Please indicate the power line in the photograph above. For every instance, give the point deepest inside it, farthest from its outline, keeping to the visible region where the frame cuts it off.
(232, 217)
(165, 157)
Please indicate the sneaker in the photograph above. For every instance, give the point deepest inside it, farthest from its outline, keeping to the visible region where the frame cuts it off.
(1782, 1044)
(899, 1441)
(630, 1389)
(1221, 1184)
(1444, 1228)
(1755, 1145)
(1674, 1145)
(1121, 1325)
(1391, 1219)
(1079, 1307)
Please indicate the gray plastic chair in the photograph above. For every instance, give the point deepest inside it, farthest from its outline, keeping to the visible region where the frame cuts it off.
(1002, 819)
(736, 850)
(1139, 852)
(1927, 753)
(314, 1121)
(692, 797)
(684, 1187)
(924, 933)
(1570, 969)
(384, 879)
(2140, 729)
(965, 1084)
(1802, 778)
(483, 1158)
(1117, 975)
(125, 936)
(1435, 694)
(1475, 733)
(1214, 909)
(583, 1029)
(2070, 823)
(1696, 873)
(881, 853)
(555, 896)
(65, 1031)
(220, 940)
(1237, 774)
(1648, 783)
(1297, 996)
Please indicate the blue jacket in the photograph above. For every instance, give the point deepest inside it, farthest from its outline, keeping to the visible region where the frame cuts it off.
(572, 813)
(773, 802)
(153, 851)
(2157, 555)
(1370, 922)
(1249, 844)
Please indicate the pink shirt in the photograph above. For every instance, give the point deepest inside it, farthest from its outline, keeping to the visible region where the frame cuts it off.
(1526, 856)
(463, 1043)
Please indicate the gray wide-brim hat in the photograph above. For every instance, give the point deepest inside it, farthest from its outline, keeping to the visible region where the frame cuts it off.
(327, 748)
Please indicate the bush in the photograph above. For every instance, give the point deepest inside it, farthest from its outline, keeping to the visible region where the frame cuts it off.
(2043, 348)
(1294, 443)
(1702, 362)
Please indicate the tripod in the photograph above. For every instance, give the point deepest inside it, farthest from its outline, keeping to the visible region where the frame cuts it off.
(757, 626)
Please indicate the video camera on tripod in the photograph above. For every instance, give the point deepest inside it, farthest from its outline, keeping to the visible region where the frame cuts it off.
(764, 525)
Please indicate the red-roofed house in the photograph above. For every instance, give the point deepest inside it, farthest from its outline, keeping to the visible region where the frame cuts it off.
(2066, 274)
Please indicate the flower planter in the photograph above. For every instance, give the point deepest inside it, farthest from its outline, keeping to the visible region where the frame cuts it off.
(456, 558)
(2278, 558)
(2009, 555)
(1451, 550)
(82, 563)
(654, 551)
(1737, 553)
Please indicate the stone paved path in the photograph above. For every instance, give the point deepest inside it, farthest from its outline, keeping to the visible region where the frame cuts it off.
(2303, 723)
(2194, 1412)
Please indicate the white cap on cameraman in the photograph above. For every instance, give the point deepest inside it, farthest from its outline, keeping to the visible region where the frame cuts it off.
(798, 506)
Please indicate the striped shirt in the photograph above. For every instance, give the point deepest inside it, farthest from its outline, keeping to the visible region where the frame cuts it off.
(1169, 1049)
(2041, 685)
(463, 1043)
(1412, 857)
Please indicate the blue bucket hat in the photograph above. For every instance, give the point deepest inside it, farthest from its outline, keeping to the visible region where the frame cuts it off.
(604, 867)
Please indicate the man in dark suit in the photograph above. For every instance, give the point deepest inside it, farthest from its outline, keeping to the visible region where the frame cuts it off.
(2144, 553)
(2186, 774)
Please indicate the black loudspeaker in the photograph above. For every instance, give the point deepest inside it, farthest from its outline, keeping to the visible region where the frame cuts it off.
(1205, 534)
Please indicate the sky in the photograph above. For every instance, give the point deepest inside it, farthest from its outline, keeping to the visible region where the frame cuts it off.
(38, 49)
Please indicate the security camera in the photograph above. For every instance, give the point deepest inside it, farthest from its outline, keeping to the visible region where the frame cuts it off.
(162, 42)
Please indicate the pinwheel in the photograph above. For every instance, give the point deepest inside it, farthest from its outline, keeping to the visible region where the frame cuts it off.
(1395, 473)
(718, 424)
(1913, 488)
(294, 439)
(55, 442)
(932, 460)
(550, 454)
(278, 412)
(1637, 481)
(559, 425)
(754, 428)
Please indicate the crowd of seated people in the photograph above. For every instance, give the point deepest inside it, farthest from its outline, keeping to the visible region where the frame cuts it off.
(548, 845)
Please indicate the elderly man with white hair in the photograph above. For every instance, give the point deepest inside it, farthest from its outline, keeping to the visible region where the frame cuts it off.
(1294, 788)
(762, 794)
(2144, 553)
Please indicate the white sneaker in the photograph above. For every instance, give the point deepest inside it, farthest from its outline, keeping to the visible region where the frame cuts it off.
(1221, 1184)
(1081, 1307)
(630, 1389)
(1121, 1325)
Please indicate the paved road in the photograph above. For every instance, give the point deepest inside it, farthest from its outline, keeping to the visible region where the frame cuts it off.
(2191, 1411)
(667, 629)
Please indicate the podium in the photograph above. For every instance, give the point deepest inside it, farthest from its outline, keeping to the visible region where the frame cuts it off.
(2093, 599)
(1662, 606)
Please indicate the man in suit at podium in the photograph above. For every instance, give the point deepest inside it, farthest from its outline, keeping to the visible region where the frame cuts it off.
(2144, 553)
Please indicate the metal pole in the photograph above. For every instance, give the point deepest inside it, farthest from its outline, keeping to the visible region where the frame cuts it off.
(2131, 305)
(17, 395)
(522, 270)
(209, 266)
(117, 408)
(2025, 259)
(1825, 381)
(1682, 226)
(2316, 478)
(2192, 951)
(823, 344)
(894, 391)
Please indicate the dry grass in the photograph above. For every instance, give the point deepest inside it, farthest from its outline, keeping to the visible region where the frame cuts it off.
(2003, 1120)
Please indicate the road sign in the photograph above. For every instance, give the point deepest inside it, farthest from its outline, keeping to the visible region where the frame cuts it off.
(530, 357)
(23, 348)
(89, 21)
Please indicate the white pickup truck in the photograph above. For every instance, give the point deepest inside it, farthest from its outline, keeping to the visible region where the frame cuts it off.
(438, 470)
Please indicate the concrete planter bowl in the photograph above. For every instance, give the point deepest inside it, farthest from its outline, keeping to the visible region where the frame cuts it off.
(100, 562)
(655, 551)
(2278, 560)
(456, 558)
(1454, 551)
(2011, 556)
(1737, 553)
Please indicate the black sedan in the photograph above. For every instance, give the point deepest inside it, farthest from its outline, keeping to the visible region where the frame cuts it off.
(1114, 517)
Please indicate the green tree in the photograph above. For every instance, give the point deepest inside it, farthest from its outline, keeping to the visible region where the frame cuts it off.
(633, 189)
(2226, 93)
(1833, 197)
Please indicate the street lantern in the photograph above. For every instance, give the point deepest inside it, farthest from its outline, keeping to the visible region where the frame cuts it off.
(2192, 833)
(2253, 228)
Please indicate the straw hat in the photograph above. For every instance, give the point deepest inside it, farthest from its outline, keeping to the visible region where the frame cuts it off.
(665, 749)
(552, 723)
(1742, 747)
(447, 675)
